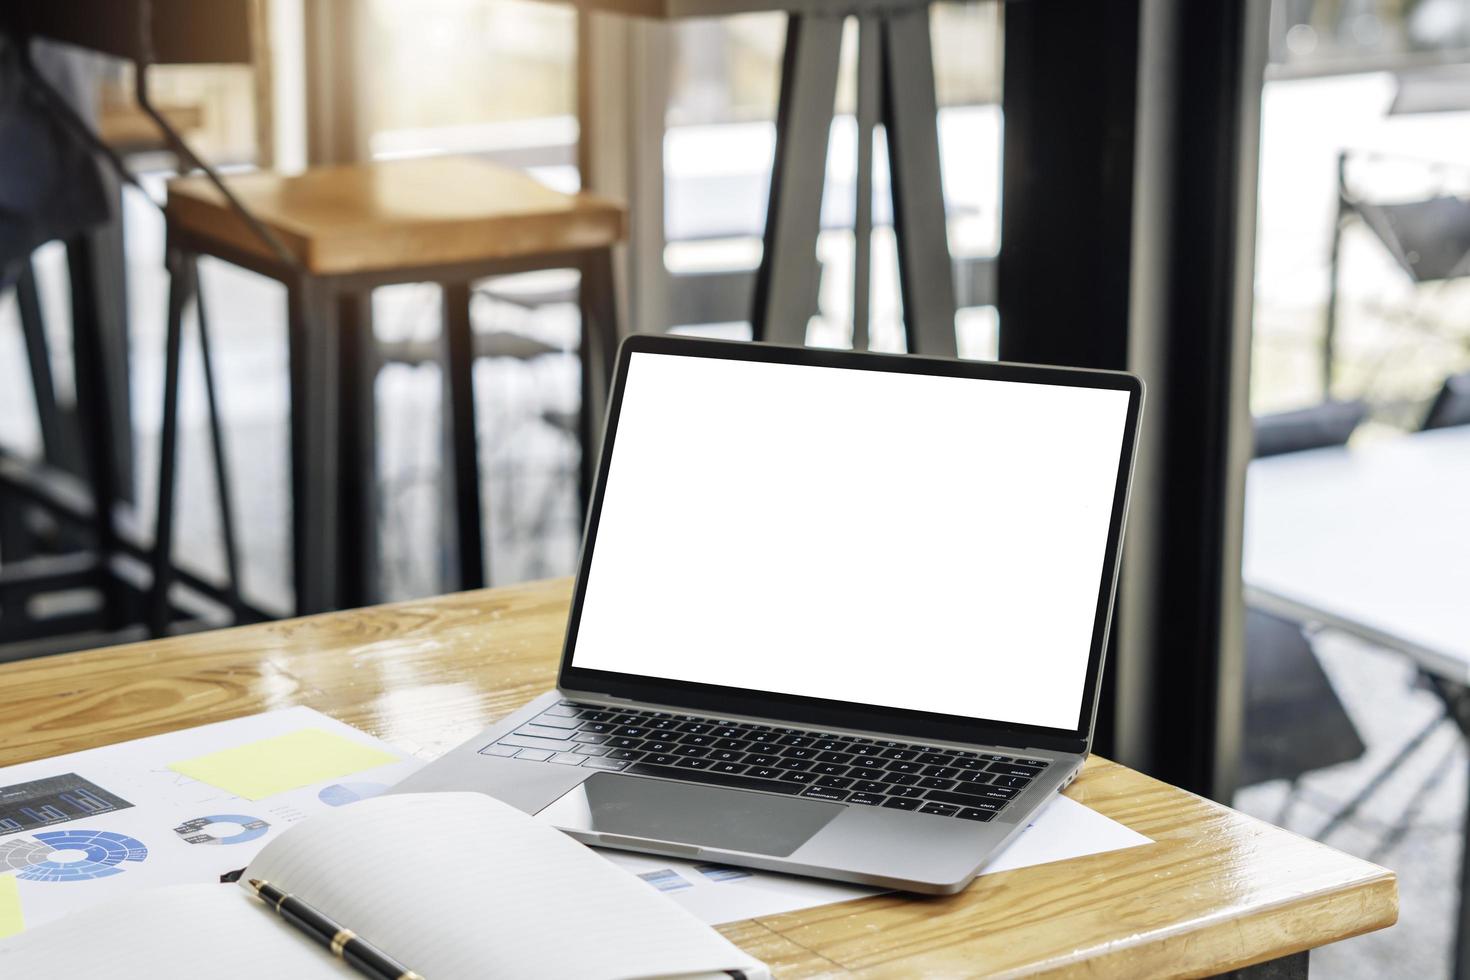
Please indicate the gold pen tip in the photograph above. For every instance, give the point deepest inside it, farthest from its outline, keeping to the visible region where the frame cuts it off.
(256, 883)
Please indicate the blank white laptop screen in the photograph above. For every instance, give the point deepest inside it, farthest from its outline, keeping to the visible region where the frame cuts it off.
(909, 541)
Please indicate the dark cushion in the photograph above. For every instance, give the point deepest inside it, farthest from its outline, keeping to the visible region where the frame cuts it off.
(1327, 424)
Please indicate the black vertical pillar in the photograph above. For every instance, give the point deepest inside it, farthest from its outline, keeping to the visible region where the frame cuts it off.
(1127, 242)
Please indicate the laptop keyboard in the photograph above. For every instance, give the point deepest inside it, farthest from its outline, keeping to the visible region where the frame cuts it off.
(790, 761)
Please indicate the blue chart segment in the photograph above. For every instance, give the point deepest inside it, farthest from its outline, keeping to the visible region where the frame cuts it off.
(198, 830)
(340, 794)
(55, 799)
(102, 853)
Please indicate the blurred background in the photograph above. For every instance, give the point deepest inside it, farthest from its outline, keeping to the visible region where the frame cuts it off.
(1306, 301)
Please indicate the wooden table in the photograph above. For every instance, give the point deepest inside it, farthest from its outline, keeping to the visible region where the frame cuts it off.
(1217, 891)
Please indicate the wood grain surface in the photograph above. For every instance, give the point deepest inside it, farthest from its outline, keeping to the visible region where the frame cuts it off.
(1216, 891)
(399, 214)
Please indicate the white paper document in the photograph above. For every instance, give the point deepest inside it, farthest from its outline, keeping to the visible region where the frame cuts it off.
(1062, 830)
(183, 807)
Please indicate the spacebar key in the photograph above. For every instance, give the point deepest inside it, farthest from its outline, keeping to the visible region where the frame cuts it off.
(714, 778)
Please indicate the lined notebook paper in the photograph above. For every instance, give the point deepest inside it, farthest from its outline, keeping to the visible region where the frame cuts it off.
(453, 885)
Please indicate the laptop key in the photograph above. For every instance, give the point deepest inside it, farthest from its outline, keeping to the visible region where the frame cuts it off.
(632, 731)
(913, 767)
(866, 799)
(933, 759)
(743, 781)
(868, 762)
(825, 793)
(962, 799)
(1016, 782)
(828, 745)
(900, 778)
(726, 731)
(694, 739)
(895, 803)
(598, 727)
(835, 782)
(974, 776)
(495, 748)
(663, 724)
(589, 738)
(765, 735)
(568, 759)
(967, 762)
(733, 744)
(564, 709)
(843, 757)
(625, 754)
(761, 759)
(535, 755)
(659, 745)
(613, 764)
(970, 813)
(691, 751)
(662, 759)
(724, 755)
(799, 777)
(763, 772)
(796, 752)
(693, 764)
(870, 786)
(592, 750)
(907, 792)
(902, 755)
(797, 741)
(934, 782)
(829, 769)
(864, 748)
(695, 728)
(942, 772)
(729, 767)
(1013, 769)
(623, 742)
(795, 764)
(939, 809)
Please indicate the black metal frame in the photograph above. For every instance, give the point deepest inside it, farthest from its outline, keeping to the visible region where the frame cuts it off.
(816, 711)
(896, 87)
(333, 361)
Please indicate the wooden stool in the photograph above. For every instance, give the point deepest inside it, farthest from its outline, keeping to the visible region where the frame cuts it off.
(346, 230)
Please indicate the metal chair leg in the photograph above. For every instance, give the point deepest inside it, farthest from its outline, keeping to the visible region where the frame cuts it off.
(460, 420)
(33, 329)
(598, 355)
(221, 468)
(315, 530)
(910, 116)
(181, 287)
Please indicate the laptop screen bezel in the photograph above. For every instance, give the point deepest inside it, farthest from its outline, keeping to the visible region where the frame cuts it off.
(818, 712)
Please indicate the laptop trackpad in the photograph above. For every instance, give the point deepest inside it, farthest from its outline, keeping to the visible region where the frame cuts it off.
(688, 813)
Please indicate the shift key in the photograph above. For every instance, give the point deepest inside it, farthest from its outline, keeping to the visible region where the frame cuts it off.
(542, 731)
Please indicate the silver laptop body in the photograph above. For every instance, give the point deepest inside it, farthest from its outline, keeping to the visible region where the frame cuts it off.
(837, 614)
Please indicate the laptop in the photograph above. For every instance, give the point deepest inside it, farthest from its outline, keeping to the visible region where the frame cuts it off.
(837, 614)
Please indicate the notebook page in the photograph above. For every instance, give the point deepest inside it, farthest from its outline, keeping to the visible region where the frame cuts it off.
(183, 932)
(459, 885)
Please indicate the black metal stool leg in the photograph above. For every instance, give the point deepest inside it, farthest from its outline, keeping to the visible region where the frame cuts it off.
(181, 287)
(911, 119)
(459, 383)
(221, 467)
(357, 416)
(598, 353)
(312, 337)
(96, 407)
(787, 280)
(33, 328)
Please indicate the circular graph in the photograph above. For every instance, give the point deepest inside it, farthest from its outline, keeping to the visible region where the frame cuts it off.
(78, 855)
(209, 830)
(340, 794)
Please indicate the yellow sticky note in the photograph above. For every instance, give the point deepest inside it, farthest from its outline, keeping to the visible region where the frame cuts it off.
(11, 921)
(285, 762)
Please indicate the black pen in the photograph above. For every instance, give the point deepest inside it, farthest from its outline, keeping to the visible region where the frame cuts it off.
(345, 944)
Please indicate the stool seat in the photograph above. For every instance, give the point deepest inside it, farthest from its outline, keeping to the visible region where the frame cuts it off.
(369, 217)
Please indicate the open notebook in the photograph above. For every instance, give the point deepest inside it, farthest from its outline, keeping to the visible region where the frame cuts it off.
(452, 885)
